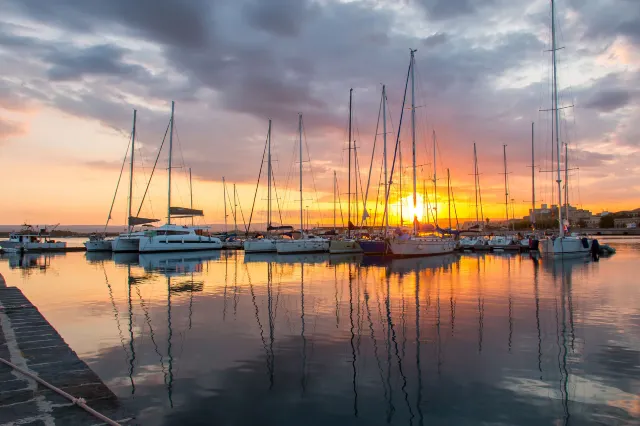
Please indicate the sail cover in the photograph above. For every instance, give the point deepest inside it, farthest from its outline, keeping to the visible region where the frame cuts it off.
(133, 221)
(184, 212)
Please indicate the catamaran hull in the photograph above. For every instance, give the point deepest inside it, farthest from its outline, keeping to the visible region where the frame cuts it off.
(565, 247)
(102, 245)
(160, 244)
(338, 247)
(302, 246)
(125, 245)
(260, 246)
(416, 248)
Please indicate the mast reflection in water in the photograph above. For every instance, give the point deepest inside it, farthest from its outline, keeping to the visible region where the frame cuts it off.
(223, 338)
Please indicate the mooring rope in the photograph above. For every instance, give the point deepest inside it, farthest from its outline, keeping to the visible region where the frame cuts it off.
(80, 402)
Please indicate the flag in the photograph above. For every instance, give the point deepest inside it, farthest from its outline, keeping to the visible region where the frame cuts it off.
(365, 214)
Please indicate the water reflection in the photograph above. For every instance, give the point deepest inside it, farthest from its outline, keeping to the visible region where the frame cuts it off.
(463, 339)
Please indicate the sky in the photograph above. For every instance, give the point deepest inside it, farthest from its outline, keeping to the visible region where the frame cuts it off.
(73, 72)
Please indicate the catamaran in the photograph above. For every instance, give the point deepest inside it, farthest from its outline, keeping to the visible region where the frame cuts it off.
(171, 237)
(414, 245)
(306, 243)
(561, 245)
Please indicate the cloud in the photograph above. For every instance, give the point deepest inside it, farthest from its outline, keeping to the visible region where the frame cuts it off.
(608, 101)
(279, 17)
(9, 129)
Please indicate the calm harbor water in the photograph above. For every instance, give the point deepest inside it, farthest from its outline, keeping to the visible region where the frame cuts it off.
(226, 338)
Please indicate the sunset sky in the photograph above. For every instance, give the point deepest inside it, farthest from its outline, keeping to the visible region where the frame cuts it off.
(72, 71)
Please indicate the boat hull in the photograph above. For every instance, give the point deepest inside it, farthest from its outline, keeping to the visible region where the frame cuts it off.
(260, 246)
(302, 246)
(421, 247)
(125, 244)
(565, 247)
(374, 247)
(162, 243)
(342, 246)
(100, 245)
(232, 245)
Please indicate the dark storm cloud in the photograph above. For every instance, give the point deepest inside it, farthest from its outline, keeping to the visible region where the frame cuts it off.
(95, 60)
(447, 9)
(279, 17)
(610, 100)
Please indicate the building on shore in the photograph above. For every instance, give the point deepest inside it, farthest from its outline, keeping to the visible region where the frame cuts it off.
(576, 215)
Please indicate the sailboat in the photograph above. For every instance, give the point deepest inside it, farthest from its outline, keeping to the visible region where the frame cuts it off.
(414, 245)
(171, 237)
(347, 245)
(128, 241)
(561, 245)
(306, 243)
(265, 244)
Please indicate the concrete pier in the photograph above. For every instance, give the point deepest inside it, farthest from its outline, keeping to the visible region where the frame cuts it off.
(28, 341)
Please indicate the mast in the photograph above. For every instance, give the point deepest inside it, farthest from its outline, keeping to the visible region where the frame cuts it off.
(413, 141)
(449, 196)
(475, 177)
(533, 181)
(133, 142)
(300, 134)
(169, 169)
(349, 184)
(566, 181)
(384, 139)
(401, 195)
(506, 191)
(224, 198)
(269, 171)
(335, 183)
(190, 195)
(557, 114)
(435, 181)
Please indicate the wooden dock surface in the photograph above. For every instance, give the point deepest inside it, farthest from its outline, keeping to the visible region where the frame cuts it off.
(28, 341)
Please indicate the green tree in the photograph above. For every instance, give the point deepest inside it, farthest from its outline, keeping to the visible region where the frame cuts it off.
(607, 222)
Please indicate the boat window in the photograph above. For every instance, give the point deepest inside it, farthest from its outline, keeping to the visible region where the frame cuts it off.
(173, 232)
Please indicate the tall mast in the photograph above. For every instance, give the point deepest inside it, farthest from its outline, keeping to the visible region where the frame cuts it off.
(435, 181)
(533, 181)
(300, 135)
(224, 201)
(413, 141)
(190, 195)
(335, 182)
(449, 196)
(566, 181)
(349, 184)
(401, 194)
(475, 177)
(269, 171)
(557, 113)
(506, 190)
(384, 150)
(133, 141)
(169, 169)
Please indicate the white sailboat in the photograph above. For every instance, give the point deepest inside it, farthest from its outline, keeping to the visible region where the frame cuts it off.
(561, 245)
(128, 241)
(264, 244)
(171, 237)
(414, 245)
(348, 244)
(306, 243)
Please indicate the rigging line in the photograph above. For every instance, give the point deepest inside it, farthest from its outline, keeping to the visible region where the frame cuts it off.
(258, 184)
(183, 167)
(313, 180)
(340, 203)
(241, 214)
(154, 169)
(395, 152)
(124, 161)
(275, 189)
(233, 208)
(373, 152)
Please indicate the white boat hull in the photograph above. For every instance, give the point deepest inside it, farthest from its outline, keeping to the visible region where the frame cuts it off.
(302, 246)
(260, 246)
(43, 246)
(421, 247)
(163, 243)
(565, 247)
(232, 245)
(344, 246)
(101, 245)
(126, 244)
